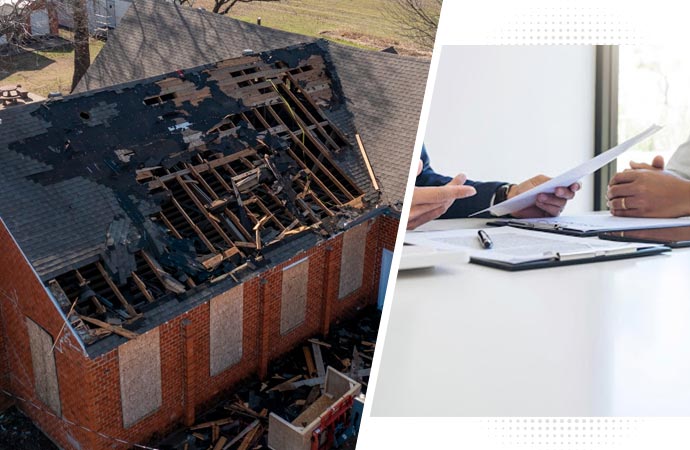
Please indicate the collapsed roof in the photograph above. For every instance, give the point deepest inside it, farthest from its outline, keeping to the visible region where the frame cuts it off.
(132, 195)
(383, 91)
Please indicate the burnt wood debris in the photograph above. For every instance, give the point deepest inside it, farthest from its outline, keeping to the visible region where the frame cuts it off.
(240, 418)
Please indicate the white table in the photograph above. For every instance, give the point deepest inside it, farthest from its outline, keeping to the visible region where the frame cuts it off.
(603, 339)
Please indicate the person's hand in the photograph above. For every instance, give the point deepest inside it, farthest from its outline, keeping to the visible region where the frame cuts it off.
(430, 202)
(657, 164)
(648, 191)
(547, 205)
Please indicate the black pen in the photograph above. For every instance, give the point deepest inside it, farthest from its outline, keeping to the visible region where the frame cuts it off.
(484, 239)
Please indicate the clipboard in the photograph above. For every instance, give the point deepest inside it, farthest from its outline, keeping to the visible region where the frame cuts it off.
(591, 224)
(515, 249)
(548, 228)
(570, 259)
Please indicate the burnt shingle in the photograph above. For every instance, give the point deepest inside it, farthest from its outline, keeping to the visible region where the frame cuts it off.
(383, 91)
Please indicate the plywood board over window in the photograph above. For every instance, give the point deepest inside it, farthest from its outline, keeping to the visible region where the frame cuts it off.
(293, 304)
(226, 329)
(352, 260)
(43, 363)
(140, 377)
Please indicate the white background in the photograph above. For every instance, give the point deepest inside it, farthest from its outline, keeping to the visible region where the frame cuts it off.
(507, 113)
(541, 22)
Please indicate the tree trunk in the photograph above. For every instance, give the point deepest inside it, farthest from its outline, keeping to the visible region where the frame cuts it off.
(82, 56)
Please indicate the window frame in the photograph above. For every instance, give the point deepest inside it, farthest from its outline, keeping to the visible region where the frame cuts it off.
(605, 117)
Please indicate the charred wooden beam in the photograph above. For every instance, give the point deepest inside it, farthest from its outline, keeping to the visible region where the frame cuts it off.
(112, 328)
(160, 181)
(100, 309)
(325, 153)
(198, 177)
(194, 227)
(302, 164)
(214, 261)
(312, 103)
(313, 158)
(123, 301)
(167, 280)
(202, 209)
(306, 112)
(142, 287)
(170, 226)
(321, 204)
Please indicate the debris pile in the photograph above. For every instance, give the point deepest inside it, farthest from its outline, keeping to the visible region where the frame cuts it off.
(241, 420)
(17, 432)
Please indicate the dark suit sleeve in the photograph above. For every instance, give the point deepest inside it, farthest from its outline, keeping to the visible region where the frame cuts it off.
(463, 207)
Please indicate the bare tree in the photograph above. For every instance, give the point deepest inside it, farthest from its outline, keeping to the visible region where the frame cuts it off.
(82, 53)
(223, 6)
(15, 21)
(416, 19)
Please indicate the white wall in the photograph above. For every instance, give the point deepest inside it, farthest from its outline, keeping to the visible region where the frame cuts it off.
(510, 112)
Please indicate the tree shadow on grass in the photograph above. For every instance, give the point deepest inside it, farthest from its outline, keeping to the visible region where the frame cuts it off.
(10, 65)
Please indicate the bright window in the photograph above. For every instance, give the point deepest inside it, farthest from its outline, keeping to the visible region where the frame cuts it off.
(654, 87)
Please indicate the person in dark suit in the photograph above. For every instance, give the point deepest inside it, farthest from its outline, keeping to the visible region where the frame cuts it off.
(439, 196)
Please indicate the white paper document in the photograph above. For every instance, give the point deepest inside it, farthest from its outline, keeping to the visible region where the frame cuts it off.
(599, 222)
(514, 246)
(573, 175)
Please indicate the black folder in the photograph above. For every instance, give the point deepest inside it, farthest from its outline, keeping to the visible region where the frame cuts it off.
(569, 259)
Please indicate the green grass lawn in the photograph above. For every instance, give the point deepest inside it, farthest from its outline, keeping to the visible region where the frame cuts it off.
(357, 22)
(43, 72)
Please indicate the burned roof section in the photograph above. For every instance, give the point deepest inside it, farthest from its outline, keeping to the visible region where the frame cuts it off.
(384, 92)
(128, 196)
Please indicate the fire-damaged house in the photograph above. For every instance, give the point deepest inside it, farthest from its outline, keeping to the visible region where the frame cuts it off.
(166, 237)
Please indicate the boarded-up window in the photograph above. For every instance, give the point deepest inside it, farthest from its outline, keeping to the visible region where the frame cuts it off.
(140, 377)
(43, 363)
(352, 260)
(226, 329)
(293, 304)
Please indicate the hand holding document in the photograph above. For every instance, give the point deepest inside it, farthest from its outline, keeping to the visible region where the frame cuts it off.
(573, 175)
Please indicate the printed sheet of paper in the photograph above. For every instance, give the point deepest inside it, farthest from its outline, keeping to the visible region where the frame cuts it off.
(573, 175)
(604, 221)
(514, 245)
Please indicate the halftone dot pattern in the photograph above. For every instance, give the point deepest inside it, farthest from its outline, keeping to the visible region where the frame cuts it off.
(562, 25)
(566, 25)
(561, 433)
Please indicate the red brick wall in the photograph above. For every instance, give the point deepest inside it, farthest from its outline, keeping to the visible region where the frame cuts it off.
(22, 295)
(5, 400)
(388, 231)
(90, 389)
